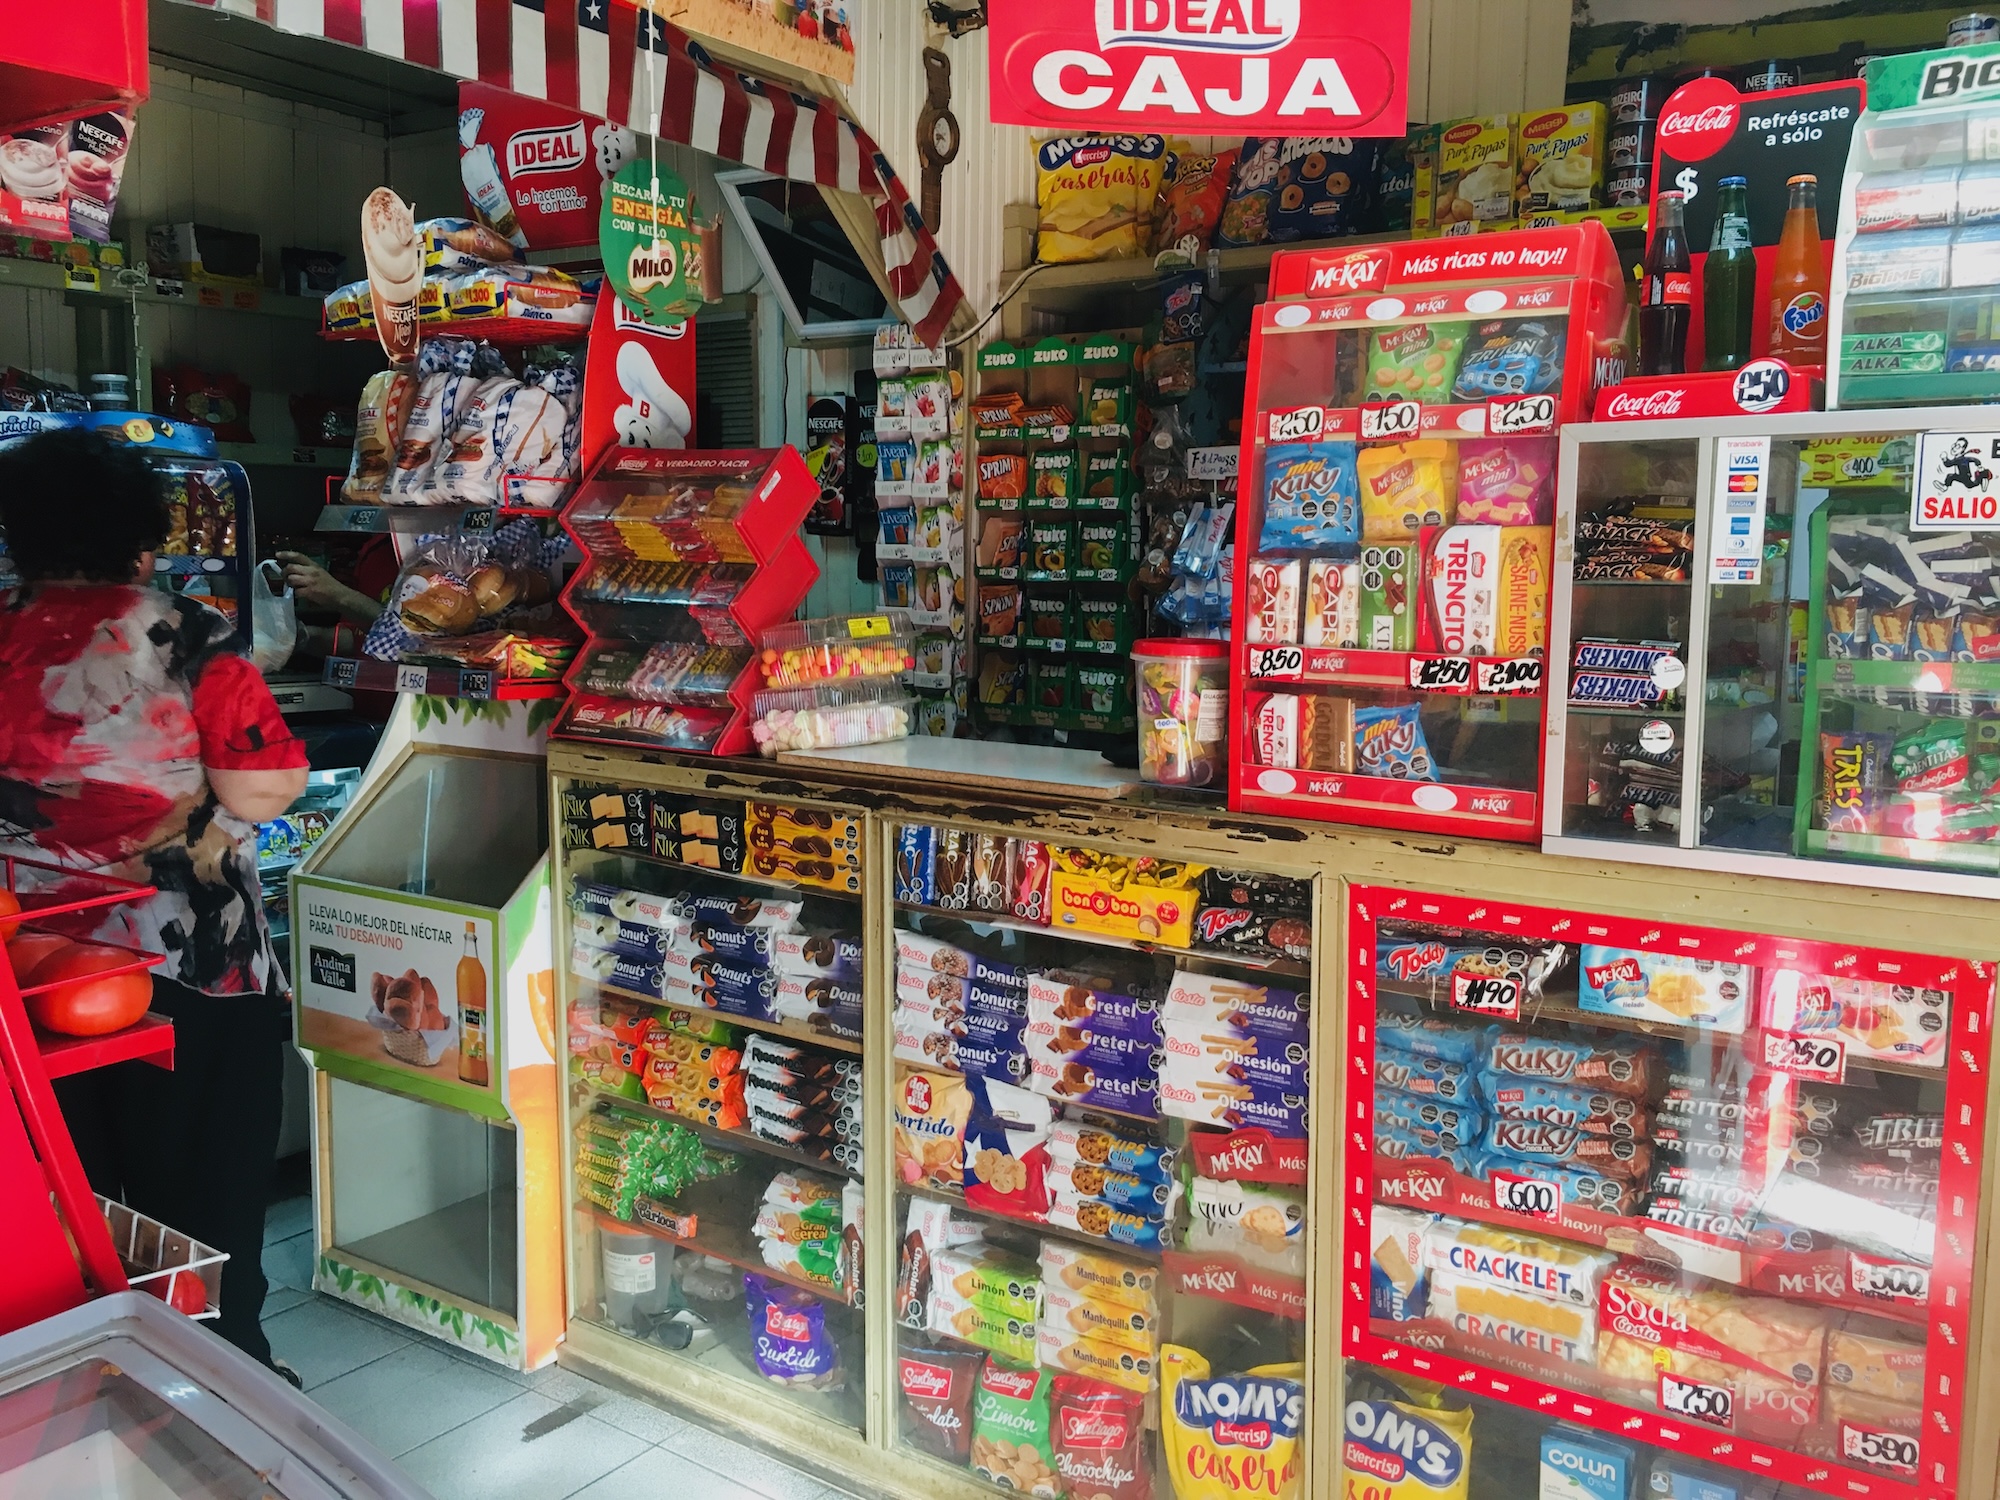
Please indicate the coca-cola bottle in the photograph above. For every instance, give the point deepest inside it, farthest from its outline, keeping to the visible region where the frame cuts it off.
(1667, 300)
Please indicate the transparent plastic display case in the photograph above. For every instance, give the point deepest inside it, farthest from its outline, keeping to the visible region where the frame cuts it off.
(1755, 651)
(1672, 1206)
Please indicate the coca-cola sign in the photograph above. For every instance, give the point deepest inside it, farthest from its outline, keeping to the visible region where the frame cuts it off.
(1699, 119)
(1201, 67)
(1771, 385)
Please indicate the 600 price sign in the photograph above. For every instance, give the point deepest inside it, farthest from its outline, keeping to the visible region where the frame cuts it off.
(1286, 662)
(1697, 1400)
(1885, 1450)
(1532, 1196)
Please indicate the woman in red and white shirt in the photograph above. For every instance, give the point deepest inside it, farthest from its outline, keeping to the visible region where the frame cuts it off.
(136, 740)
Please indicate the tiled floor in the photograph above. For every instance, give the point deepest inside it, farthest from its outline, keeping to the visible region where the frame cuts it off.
(466, 1429)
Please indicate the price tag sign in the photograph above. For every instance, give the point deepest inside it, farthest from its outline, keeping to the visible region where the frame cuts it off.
(1526, 1195)
(863, 626)
(413, 679)
(1286, 663)
(1520, 675)
(1391, 420)
(1898, 1281)
(476, 521)
(1518, 416)
(1299, 425)
(1492, 995)
(339, 671)
(1884, 1450)
(1441, 674)
(1822, 1058)
(1697, 1400)
(475, 682)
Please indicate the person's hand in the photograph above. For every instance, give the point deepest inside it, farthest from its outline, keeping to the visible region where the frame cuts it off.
(311, 584)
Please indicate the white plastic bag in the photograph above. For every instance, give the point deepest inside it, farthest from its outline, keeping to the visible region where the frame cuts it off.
(274, 620)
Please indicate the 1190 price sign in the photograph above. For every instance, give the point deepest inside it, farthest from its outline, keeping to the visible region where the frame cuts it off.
(1532, 1196)
(1493, 995)
(1697, 1400)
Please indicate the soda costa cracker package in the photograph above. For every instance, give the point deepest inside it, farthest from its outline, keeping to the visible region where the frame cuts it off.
(1235, 1437)
(1096, 195)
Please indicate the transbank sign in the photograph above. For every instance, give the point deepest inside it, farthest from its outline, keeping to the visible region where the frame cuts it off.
(1202, 67)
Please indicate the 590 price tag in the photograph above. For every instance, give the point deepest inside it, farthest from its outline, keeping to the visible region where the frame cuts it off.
(1492, 995)
(1697, 1400)
(1889, 1280)
(1530, 1196)
(1287, 663)
(1391, 419)
(1516, 416)
(1885, 1450)
(1518, 675)
(1296, 426)
(1819, 1057)
(1441, 674)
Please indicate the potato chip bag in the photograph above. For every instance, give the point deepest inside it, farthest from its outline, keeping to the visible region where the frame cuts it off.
(1415, 362)
(1096, 195)
(1246, 217)
(1191, 201)
(1391, 1450)
(1404, 486)
(1235, 1436)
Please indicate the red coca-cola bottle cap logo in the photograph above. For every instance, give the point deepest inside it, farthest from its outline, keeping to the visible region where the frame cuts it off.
(1698, 119)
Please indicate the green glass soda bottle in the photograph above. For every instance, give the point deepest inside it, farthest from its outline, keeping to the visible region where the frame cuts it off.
(1729, 280)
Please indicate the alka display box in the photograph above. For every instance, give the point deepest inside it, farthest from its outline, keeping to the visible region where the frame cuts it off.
(1395, 521)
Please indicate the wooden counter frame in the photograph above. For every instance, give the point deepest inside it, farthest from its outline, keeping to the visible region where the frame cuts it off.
(1334, 856)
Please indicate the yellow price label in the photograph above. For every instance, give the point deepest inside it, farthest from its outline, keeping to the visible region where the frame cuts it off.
(862, 626)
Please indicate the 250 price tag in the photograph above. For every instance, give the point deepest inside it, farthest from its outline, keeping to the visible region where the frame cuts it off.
(1697, 1400)
(1889, 1280)
(1296, 426)
(1391, 419)
(1487, 995)
(1521, 674)
(1285, 662)
(1441, 673)
(1526, 1195)
(1885, 1450)
(1820, 1057)
(1516, 416)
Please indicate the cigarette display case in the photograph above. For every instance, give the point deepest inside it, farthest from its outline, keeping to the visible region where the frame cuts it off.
(688, 557)
(1688, 1204)
(1394, 519)
(1761, 663)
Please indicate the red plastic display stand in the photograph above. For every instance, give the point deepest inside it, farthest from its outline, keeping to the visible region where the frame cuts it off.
(654, 516)
(1759, 388)
(1304, 353)
(68, 60)
(45, 1200)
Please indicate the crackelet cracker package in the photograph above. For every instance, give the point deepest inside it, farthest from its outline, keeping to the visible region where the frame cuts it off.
(1096, 195)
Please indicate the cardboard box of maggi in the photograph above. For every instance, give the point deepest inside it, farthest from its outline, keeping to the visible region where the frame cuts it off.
(1562, 159)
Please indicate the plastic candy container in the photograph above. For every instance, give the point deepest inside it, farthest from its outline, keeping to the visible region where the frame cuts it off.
(1183, 710)
(840, 648)
(830, 714)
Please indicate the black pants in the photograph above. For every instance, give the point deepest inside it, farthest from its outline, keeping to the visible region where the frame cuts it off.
(193, 1148)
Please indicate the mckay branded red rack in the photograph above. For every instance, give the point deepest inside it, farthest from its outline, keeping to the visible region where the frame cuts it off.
(1698, 1197)
(688, 558)
(1394, 523)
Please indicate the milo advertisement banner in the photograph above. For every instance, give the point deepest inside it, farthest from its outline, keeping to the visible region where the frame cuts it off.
(651, 248)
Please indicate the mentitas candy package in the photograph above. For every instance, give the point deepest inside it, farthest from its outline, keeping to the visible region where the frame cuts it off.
(1310, 499)
(1233, 1437)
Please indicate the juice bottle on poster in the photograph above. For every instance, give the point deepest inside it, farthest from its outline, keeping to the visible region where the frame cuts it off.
(471, 1012)
(1798, 281)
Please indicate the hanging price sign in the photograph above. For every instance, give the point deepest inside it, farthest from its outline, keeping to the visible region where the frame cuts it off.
(1889, 1280)
(1530, 1196)
(1284, 663)
(1822, 1058)
(1384, 420)
(1492, 995)
(1697, 1400)
(1518, 676)
(1885, 1450)
(1441, 674)
(1519, 416)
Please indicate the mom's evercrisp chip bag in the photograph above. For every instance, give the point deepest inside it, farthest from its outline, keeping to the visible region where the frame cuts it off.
(1096, 195)
(1391, 1450)
(1232, 1437)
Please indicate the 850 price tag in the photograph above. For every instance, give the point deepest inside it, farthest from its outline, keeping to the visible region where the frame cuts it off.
(1530, 1196)
(1884, 1450)
(1518, 675)
(1516, 416)
(1492, 995)
(1299, 425)
(1819, 1057)
(1697, 1400)
(1441, 674)
(1889, 1280)
(1391, 419)
(1287, 663)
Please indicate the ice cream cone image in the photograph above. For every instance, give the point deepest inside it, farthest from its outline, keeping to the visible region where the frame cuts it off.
(395, 256)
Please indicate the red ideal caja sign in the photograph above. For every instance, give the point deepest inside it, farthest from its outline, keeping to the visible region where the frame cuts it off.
(1201, 67)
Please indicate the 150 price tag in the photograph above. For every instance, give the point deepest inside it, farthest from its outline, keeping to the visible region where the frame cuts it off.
(1487, 995)
(1889, 1280)
(1391, 419)
(1885, 1450)
(1299, 425)
(1526, 1195)
(1441, 674)
(1285, 662)
(1819, 1057)
(1518, 675)
(1697, 1400)
(1516, 416)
